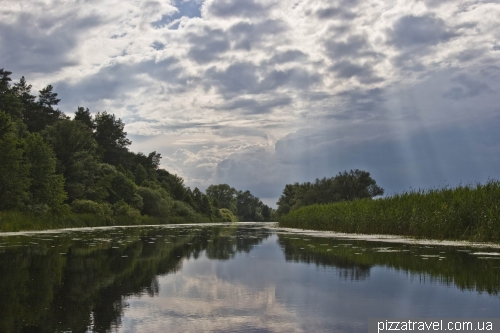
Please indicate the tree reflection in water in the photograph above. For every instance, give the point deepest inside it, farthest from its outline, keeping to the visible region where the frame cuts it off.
(78, 281)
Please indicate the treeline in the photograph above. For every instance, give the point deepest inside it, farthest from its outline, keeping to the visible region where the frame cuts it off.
(344, 204)
(346, 186)
(54, 165)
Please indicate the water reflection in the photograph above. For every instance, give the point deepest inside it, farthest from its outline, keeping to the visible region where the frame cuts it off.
(464, 268)
(232, 278)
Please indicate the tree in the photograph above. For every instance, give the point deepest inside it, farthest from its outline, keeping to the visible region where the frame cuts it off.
(289, 198)
(225, 196)
(355, 184)
(140, 174)
(9, 103)
(83, 115)
(14, 170)
(346, 186)
(172, 184)
(111, 137)
(40, 114)
(77, 158)
(47, 187)
(249, 207)
(156, 202)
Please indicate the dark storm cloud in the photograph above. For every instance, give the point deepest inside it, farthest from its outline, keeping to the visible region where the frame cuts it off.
(419, 31)
(42, 44)
(253, 106)
(208, 46)
(353, 47)
(363, 73)
(245, 35)
(230, 8)
(467, 88)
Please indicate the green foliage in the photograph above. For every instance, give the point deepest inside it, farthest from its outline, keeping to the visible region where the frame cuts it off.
(83, 115)
(122, 209)
(140, 174)
(9, 101)
(92, 207)
(111, 137)
(227, 215)
(48, 159)
(249, 207)
(183, 209)
(77, 158)
(156, 202)
(346, 186)
(40, 114)
(46, 187)
(14, 170)
(225, 196)
(464, 212)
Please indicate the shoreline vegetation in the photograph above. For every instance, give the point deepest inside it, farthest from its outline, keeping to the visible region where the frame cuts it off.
(63, 172)
(469, 213)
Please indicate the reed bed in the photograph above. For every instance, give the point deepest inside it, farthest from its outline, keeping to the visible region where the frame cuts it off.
(460, 213)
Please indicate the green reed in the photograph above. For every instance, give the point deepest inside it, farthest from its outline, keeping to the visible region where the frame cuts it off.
(464, 212)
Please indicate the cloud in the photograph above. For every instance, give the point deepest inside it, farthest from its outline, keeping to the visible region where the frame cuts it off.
(246, 35)
(308, 76)
(235, 8)
(252, 106)
(43, 44)
(332, 12)
(208, 46)
(354, 46)
(420, 31)
(467, 88)
(363, 73)
(288, 56)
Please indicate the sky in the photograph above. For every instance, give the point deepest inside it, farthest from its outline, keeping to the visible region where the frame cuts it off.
(262, 93)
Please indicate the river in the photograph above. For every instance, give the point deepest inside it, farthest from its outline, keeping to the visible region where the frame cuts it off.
(234, 278)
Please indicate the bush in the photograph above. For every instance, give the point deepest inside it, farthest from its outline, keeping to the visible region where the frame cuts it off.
(155, 203)
(227, 215)
(183, 209)
(121, 208)
(89, 206)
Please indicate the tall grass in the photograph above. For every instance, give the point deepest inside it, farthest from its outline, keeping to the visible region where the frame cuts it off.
(464, 212)
(22, 221)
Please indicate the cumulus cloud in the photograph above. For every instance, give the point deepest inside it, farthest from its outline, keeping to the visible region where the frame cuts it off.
(270, 77)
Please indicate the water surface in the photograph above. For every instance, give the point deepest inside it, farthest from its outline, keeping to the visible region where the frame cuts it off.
(233, 278)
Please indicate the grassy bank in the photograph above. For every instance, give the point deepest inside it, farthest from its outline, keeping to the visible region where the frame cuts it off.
(464, 212)
(20, 221)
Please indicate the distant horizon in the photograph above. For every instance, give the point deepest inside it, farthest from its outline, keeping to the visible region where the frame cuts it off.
(258, 94)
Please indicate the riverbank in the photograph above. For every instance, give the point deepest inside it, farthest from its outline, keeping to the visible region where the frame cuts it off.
(12, 221)
(470, 213)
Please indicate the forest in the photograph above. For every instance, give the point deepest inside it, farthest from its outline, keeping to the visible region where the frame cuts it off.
(58, 171)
